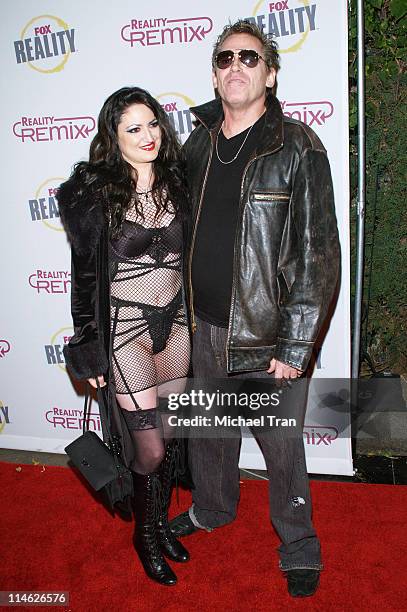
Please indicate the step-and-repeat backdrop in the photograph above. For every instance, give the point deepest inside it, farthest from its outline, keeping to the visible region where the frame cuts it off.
(59, 61)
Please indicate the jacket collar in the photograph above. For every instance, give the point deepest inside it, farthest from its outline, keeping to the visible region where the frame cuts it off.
(210, 115)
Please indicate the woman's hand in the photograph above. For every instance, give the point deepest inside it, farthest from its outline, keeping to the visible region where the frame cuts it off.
(92, 382)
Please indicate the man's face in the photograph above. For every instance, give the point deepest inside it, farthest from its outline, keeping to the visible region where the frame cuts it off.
(239, 86)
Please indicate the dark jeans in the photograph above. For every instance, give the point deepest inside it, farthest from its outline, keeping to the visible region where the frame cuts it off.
(215, 471)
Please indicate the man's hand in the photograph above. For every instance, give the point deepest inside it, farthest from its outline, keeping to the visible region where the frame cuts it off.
(282, 370)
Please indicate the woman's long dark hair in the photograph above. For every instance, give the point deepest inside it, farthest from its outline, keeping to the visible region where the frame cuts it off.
(108, 174)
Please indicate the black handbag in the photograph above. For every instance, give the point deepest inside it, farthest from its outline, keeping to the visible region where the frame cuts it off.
(100, 461)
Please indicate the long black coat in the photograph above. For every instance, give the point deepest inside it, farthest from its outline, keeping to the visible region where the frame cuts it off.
(87, 353)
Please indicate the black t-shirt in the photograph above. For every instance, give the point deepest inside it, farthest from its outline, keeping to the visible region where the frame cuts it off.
(212, 262)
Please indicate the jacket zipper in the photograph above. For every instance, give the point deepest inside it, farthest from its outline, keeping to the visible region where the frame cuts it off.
(271, 196)
(191, 293)
(232, 302)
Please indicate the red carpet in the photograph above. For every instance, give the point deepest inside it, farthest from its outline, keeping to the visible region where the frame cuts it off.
(55, 537)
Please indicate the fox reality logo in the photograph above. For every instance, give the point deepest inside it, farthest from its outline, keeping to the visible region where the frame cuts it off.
(45, 44)
(72, 419)
(46, 129)
(43, 206)
(311, 113)
(54, 350)
(50, 281)
(4, 416)
(176, 105)
(289, 20)
(317, 435)
(4, 348)
(160, 31)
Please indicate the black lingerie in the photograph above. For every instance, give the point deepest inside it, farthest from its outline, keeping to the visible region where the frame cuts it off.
(158, 242)
(150, 342)
(159, 321)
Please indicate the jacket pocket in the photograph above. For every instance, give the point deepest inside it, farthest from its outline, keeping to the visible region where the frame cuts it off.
(288, 274)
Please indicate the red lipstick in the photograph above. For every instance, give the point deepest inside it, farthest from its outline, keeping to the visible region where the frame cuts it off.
(149, 147)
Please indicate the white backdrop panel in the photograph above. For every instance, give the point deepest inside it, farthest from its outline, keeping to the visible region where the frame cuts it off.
(59, 61)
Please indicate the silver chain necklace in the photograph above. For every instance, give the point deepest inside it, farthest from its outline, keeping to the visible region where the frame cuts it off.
(240, 148)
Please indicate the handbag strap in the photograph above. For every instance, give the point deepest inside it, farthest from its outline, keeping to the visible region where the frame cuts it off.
(103, 412)
(86, 410)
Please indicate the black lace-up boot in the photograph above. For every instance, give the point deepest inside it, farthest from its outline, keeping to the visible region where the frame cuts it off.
(146, 504)
(170, 546)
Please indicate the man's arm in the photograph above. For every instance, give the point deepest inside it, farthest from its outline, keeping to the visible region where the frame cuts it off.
(314, 261)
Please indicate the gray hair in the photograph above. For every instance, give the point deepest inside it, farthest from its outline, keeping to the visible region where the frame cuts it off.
(245, 26)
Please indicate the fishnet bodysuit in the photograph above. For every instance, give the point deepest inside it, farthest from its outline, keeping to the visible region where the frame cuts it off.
(150, 341)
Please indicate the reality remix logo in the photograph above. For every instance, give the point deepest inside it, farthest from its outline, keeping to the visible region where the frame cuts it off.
(289, 21)
(314, 435)
(44, 207)
(45, 44)
(162, 31)
(67, 418)
(54, 350)
(50, 281)
(51, 128)
(312, 113)
(176, 105)
(4, 348)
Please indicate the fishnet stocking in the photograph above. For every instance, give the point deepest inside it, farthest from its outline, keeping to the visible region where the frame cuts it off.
(151, 433)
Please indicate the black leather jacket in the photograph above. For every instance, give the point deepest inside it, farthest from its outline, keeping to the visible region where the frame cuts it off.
(286, 256)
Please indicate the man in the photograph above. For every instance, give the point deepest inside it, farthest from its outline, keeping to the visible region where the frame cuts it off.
(261, 272)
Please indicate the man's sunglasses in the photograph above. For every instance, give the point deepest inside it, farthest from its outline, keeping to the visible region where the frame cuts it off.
(248, 57)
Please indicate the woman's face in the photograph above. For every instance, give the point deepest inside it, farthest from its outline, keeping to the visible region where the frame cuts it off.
(139, 135)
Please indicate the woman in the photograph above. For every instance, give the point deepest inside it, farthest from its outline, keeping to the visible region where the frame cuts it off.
(123, 212)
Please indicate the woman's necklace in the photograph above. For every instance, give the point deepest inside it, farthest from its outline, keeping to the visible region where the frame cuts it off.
(147, 189)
